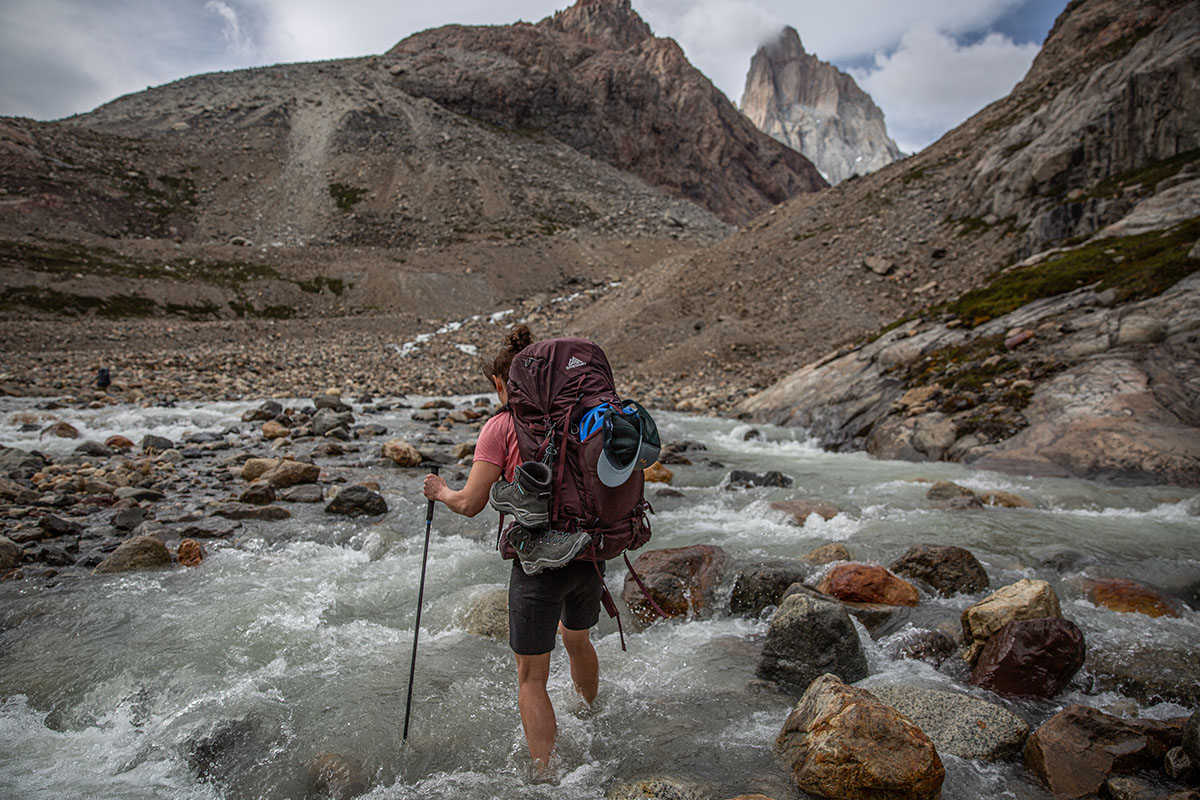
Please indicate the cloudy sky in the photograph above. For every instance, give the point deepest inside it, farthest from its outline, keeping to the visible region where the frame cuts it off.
(929, 64)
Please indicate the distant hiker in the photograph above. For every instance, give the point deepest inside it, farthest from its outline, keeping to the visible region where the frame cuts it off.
(553, 459)
(103, 379)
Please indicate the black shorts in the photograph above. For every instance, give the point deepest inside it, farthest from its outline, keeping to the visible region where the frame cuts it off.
(536, 604)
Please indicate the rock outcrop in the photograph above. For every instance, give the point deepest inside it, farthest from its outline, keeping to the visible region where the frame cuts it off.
(814, 107)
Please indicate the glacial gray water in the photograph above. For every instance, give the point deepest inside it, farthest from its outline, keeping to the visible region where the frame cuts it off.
(293, 639)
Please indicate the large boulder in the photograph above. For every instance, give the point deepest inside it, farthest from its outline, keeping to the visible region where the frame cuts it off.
(487, 614)
(867, 583)
(290, 473)
(254, 468)
(958, 724)
(681, 580)
(949, 570)
(401, 452)
(758, 586)
(1025, 599)
(1074, 751)
(357, 501)
(840, 741)
(1149, 673)
(1031, 658)
(809, 635)
(139, 552)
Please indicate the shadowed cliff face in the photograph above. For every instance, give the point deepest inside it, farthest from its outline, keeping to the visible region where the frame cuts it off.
(817, 109)
(595, 78)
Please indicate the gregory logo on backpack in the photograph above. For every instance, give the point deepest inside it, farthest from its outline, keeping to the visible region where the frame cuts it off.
(575, 362)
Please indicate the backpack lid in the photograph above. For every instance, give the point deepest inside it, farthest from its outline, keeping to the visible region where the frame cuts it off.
(630, 443)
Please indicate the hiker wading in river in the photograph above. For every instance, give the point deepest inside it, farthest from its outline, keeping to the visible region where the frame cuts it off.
(565, 600)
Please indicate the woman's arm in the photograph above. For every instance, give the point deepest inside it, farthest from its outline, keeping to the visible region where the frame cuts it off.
(472, 498)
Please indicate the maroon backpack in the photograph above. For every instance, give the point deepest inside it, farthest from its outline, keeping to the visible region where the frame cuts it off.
(550, 386)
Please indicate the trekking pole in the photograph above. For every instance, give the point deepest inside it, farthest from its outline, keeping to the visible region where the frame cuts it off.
(412, 670)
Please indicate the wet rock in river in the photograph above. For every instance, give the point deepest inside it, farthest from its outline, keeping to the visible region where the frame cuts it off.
(1074, 751)
(758, 586)
(357, 501)
(1128, 596)
(210, 528)
(139, 552)
(1025, 599)
(94, 449)
(290, 473)
(189, 553)
(128, 518)
(259, 493)
(218, 752)
(326, 420)
(930, 646)
(275, 430)
(1148, 673)
(681, 580)
(332, 776)
(119, 443)
(138, 493)
(1004, 500)
(1179, 765)
(952, 497)
(303, 493)
(13, 492)
(799, 511)
(1031, 658)
(268, 410)
(255, 467)
(657, 473)
(744, 479)
(401, 452)
(949, 570)
(247, 511)
(156, 444)
(332, 402)
(827, 554)
(62, 430)
(10, 554)
(811, 634)
(1191, 738)
(958, 724)
(657, 789)
(487, 615)
(59, 526)
(867, 583)
(840, 741)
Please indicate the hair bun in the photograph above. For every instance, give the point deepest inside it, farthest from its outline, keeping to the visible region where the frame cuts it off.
(519, 339)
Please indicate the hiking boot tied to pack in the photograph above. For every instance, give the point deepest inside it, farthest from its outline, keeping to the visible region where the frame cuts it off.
(539, 550)
(527, 497)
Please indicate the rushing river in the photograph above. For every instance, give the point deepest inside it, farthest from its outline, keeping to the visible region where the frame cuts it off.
(294, 638)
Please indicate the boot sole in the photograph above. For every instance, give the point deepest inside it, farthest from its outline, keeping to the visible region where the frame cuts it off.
(536, 566)
(521, 515)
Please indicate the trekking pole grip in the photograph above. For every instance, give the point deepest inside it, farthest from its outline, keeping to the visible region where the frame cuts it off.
(429, 506)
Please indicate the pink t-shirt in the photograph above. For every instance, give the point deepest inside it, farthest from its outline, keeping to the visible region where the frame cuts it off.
(497, 444)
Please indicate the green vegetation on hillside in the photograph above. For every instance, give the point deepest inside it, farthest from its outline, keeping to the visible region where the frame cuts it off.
(346, 196)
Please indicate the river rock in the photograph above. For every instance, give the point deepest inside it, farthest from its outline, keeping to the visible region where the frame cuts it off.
(681, 580)
(657, 473)
(948, 569)
(139, 552)
(128, 518)
(253, 469)
(62, 430)
(275, 430)
(357, 501)
(15, 463)
(840, 741)
(867, 583)
(13, 492)
(930, 646)
(827, 554)
(1074, 751)
(958, 724)
(1025, 599)
(657, 789)
(744, 479)
(1031, 658)
(189, 553)
(1149, 673)
(117, 442)
(487, 615)
(302, 493)
(326, 420)
(247, 511)
(332, 776)
(1128, 596)
(94, 449)
(10, 554)
(798, 511)
(60, 526)
(259, 493)
(290, 473)
(141, 494)
(758, 586)
(809, 635)
(152, 444)
(1004, 500)
(401, 452)
(952, 497)
(332, 402)
(1179, 765)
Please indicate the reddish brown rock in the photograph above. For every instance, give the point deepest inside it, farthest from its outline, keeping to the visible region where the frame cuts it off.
(840, 741)
(1127, 596)
(189, 553)
(1074, 751)
(866, 583)
(63, 430)
(950, 570)
(275, 430)
(118, 442)
(799, 511)
(657, 473)
(681, 580)
(1031, 658)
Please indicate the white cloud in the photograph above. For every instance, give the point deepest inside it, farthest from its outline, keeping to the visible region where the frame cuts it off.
(931, 84)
